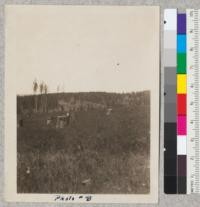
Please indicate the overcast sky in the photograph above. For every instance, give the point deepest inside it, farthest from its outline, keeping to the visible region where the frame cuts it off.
(112, 49)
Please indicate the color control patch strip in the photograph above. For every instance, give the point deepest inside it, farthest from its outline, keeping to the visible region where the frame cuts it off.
(175, 104)
(182, 102)
(170, 101)
(181, 105)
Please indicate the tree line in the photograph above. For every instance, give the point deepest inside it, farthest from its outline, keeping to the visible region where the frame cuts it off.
(42, 88)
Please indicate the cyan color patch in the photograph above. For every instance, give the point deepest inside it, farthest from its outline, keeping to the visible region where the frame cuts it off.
(181, 43)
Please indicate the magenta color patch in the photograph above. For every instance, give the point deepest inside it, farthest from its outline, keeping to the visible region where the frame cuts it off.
(181, 125)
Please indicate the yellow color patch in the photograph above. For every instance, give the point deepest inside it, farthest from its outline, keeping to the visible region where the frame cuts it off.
(181, 84)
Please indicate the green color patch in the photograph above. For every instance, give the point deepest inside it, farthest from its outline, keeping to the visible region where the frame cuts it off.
(181, 63)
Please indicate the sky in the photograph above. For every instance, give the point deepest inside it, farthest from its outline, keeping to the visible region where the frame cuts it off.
(111, 49)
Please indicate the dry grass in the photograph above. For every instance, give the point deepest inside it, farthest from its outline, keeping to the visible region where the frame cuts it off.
(96, 153)
(62, 173)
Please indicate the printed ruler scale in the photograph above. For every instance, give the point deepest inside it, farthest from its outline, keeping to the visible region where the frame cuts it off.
(193, 100)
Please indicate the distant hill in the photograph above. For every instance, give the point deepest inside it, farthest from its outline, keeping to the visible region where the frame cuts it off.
(81, 101)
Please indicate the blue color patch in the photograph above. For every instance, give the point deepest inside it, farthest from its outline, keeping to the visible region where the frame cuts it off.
(181, 43)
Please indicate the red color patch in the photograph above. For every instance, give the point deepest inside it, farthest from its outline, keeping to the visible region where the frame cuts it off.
(181, 104)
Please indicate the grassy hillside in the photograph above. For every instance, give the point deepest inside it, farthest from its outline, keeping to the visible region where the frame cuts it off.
(98, 152)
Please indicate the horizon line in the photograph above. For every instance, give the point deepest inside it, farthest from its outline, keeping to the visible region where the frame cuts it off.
(64, 92)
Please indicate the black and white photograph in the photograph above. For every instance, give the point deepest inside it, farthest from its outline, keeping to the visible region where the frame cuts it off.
(82, 103)
(83, 142)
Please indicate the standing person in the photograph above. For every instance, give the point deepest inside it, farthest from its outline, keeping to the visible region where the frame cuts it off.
(68, 118)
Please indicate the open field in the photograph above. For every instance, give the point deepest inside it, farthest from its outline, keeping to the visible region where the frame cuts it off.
(104, 149)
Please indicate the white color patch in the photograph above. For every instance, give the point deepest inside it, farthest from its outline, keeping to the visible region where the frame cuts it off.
(181, 145)
(170, 16)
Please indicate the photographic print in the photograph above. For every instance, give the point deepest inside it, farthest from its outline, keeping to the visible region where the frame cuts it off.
(82, 103)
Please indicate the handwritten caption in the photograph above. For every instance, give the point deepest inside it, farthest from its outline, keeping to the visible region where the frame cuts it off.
(71, 198)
